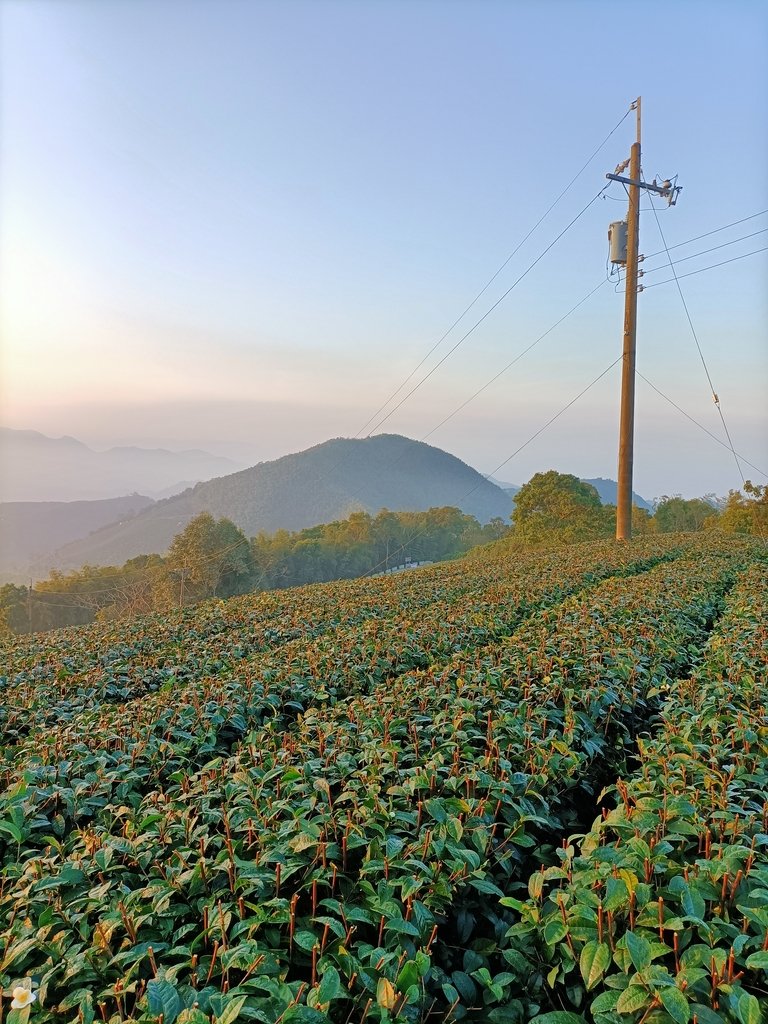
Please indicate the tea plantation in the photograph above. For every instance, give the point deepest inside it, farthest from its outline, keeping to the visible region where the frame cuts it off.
(497, 791)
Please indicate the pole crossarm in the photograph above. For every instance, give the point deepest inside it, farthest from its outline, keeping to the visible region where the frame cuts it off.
(667, 190)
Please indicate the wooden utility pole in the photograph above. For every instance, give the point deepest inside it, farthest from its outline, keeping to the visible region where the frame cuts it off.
(670, 192)
(627, 418)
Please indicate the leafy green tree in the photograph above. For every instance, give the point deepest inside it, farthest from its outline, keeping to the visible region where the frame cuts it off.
(558, 508)
(134, 590)
(682, 515)
(209, 558)
(387, 536)
(14, 609)
(745, 513)
(642, 520)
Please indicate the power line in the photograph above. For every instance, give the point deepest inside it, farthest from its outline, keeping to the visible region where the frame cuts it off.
(493, 278)
(713, 266)
(696, 339)
(700, 425)
(512, 362)
(704, 252)
(706, 234)
(517, 451)
(488, 312)
(556, 416)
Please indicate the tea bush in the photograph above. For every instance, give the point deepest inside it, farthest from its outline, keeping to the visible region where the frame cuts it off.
(353, 801)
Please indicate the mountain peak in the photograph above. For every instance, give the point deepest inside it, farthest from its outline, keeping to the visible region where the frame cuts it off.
(321, 484)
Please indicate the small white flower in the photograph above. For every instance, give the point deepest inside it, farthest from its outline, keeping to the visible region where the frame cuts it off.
(22, 997)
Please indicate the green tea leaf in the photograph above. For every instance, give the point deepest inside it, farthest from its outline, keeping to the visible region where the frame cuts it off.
(162, 997)
(676, 1005)
(633, 998)
(11, 830)
(409, 975)
(330, 985)
(593, 961)
(639, 950)
(604, 1003)
(748, 1009)
(231, 1011)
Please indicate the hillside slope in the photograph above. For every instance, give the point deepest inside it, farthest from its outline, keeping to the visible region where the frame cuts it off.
(31, 530)
(319, 485)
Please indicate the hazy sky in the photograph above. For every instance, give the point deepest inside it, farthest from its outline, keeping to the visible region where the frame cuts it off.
(240, 225)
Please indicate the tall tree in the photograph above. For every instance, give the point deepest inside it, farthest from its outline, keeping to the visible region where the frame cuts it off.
(209, 558)
(682, 515)
(559, 508)
(745, 513)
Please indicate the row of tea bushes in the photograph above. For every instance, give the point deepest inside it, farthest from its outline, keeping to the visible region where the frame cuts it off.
(52, 678)
(118, 750)
(660, 912)
(351, 862)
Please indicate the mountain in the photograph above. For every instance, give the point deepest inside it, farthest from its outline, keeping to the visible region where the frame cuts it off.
(608, 490)
(34, 467)
(31, 530)
(319, 485)
(510, 489)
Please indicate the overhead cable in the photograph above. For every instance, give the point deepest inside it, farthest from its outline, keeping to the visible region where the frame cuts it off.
(713, 266)
(706, 234)
(490, 281)
(488, 312)
(501, 465)
(557, 415)
(698, 345)
(704, 252)
(700, 425)
(512, 362)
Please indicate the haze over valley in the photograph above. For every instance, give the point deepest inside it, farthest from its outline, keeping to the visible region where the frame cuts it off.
(34, 467)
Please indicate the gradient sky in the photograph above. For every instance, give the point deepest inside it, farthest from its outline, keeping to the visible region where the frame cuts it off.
(240, 225)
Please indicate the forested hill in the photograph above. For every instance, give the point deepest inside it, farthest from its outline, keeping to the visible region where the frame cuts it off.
(319, 485)
(608, 491)
(31, 530)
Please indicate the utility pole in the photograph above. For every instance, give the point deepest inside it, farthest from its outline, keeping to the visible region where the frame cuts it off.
(627, 416)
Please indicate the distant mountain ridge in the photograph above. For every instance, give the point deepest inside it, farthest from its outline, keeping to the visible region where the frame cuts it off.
(35, 467)
(30, 531)
(322, 484)
(608, 491)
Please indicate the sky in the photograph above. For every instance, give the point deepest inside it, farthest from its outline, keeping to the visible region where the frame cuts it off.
(241, 226)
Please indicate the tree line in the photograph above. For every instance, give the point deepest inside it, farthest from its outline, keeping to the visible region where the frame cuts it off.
(214, 558)
(557, 508)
